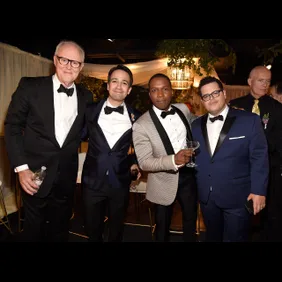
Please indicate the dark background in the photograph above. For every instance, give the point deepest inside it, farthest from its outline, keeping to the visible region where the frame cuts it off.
(102, 51)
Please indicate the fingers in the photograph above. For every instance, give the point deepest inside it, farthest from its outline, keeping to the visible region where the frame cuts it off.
(183, 156)
(27, 183)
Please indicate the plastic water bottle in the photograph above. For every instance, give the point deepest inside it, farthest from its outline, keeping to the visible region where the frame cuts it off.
(39, 175)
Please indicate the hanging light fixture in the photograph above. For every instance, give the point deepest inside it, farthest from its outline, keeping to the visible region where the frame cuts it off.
(181, 76)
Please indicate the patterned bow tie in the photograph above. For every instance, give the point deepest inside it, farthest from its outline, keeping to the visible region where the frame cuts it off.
(220, 117)
(109, 110)
(68, 91)
(171, 112)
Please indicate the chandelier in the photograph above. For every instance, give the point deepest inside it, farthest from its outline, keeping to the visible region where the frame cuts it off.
(181, 76)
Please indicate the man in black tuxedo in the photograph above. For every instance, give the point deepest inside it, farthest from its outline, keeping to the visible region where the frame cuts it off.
(43, 128)
(270, 112)
(106, 174)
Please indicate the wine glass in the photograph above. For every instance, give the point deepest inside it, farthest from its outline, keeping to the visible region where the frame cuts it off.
(194, 145)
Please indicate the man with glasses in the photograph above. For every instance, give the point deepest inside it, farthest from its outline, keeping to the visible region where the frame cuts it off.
(232, 165)
(43, 128)
(270, 112)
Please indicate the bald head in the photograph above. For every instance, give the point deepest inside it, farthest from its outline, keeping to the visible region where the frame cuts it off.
(258, 70)
(259, 81)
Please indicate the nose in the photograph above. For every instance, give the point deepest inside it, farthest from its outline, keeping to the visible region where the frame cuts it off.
(68, 65)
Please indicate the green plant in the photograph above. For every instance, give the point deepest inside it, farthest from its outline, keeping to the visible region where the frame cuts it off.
(182, 51)
(96, 86)
(269, 54)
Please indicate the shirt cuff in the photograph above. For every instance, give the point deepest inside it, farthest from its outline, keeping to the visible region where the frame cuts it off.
(21, 168)
(175, 165)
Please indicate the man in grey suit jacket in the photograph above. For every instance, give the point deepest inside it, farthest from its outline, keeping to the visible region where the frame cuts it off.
(159, 136)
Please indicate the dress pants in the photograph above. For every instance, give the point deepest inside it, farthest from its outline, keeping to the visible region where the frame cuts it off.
(187, 198)
(46, 219)
(107, 201)
(225, 224)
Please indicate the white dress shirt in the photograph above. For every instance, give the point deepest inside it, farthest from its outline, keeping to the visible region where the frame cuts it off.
(65, 109)
(175, 130)
(214, 128)
(115, 124)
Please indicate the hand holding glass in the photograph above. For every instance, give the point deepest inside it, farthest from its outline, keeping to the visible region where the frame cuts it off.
(192, 145)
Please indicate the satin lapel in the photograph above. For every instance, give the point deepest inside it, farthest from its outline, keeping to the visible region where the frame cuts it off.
(205, 133)
(95, 117)
(224, 131)
(47, 108)
(130, 113)
(185, 121)
(165, 139)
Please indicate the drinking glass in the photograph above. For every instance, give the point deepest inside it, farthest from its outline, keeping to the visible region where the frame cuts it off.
(194, 145)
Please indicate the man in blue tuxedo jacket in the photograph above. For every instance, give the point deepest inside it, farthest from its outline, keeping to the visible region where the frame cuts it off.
(232, 165)
(106, 174)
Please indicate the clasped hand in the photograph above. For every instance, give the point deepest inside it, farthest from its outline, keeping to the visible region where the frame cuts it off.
(183, 156)
(27, 183)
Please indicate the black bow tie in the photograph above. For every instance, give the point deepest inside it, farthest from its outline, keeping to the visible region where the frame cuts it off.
(220, 117)
(109, 110)
(68, 91)
(171, 112)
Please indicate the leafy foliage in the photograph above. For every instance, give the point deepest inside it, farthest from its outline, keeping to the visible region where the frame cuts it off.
(95, 85)
(204, 49)
(269, 54)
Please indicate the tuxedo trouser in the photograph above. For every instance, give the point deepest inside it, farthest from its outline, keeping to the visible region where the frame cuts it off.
(46, 219)
(271, 216)
(187, 198)
(225, 224)
(107, 201)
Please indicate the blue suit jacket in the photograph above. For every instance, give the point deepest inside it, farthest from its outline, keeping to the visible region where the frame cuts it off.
(239, 165)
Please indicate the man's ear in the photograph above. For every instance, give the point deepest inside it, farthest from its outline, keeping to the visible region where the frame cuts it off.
(249, 81)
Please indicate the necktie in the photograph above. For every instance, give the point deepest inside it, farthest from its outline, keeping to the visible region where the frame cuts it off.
(109, 110)
(255, 108)
(220, 117)
(68, 91)
(166, 113)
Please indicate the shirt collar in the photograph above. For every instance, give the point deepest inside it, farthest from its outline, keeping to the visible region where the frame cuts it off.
(224, 113)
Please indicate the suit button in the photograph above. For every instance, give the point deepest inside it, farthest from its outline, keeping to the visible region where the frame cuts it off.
(110, 153)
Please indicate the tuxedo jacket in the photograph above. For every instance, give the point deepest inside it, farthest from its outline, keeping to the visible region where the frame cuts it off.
(30, 133)
(100, 158)
(273, 129)
(239, 165)
(154, 154)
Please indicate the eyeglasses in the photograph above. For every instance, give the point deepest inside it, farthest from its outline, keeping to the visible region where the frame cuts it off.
(64, 61)
(214, 94)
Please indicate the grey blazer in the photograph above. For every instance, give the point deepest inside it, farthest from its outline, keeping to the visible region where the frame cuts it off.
(162, 182)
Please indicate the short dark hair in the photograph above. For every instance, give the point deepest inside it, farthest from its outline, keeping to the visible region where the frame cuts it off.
(124, 68)
(159, 75)
(207, 80)
(278, 87)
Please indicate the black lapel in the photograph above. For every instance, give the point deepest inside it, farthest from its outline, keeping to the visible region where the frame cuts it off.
(167, 144)
(225, 129)
(47, 107)
(205, 133)
(185, 121)
(95, 116)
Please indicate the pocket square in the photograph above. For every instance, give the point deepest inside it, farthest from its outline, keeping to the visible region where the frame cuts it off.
(238, 137)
